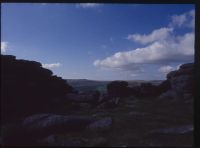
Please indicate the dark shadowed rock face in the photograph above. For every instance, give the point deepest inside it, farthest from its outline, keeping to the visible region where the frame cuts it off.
(181, 82)
(36, 127)
(147, 89)
(175, 130)
(101, 125)
(41, 129)
(52, 140)
(117, 88)
(28, 88)
(51, 123)
(87, 97)
(163, 87)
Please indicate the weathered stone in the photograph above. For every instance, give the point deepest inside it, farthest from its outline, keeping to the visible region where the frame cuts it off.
(28, 88)
(52, 140)
(133, 113)
(99, 141)
(101, 125)
(81, 98)
(170, 94)
(175, 130)
(50, 123)
(187, 96)
(181, 82)
(148, 89)
(84, 105)
(188, 65)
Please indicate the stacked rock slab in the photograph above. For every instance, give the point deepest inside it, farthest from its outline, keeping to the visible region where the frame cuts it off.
(182, 82)
(28, 88)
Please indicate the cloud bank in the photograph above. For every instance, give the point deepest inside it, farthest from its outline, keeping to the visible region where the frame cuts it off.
(53, 65)
(88, 5)
(178, 48)
(166, 69)
(158, 34)
(183, 20)
(4, 47)
(162, 46)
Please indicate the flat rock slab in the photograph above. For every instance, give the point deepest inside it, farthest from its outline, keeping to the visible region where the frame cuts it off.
(51, 123)
(101, 125)
(175, 130)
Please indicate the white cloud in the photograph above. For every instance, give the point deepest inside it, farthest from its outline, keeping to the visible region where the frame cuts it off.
(53, 65)
(165, 69)
(178, 66)
(4, 47)
(178, 48)
(88, 5)
(183, 20)
(43, 4)
(158, 34)
(133, 75)
(164, 47)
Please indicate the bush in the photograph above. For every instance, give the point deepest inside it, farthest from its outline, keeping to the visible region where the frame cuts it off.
(117, 89)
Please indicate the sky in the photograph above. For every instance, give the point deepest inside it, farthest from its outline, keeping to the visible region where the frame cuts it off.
(100, 41)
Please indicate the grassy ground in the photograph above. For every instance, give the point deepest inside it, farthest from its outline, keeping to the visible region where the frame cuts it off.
(134, 119)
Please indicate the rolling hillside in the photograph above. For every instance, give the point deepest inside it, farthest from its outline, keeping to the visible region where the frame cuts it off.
(86, 85)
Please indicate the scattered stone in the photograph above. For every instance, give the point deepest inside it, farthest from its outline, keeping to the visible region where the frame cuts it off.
(130, 105)
(117, 100)
(51, 123)
(175, 130)
(137, 113)
(170, 95)
(52, 140)
(84, 105)
(101, 125)
(108, 104)
(99, 141)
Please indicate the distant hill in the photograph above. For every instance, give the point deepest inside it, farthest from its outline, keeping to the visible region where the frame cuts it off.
(86, 85)
(85, 82)
(138, 82)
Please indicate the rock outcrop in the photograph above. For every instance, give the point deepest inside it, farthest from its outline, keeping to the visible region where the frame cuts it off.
(181, 82)
(175, 130)
(28, 88)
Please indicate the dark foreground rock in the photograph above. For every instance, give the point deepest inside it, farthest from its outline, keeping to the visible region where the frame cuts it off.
(41, 129)
(28, 88)
(175, 130)
(51, 123)
(104, 124)
(53, 140)
(81, 98)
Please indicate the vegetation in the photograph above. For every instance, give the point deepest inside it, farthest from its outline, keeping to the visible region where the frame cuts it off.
(117, 89)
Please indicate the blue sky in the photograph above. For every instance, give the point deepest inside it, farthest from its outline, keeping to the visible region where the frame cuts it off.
(100, 41)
